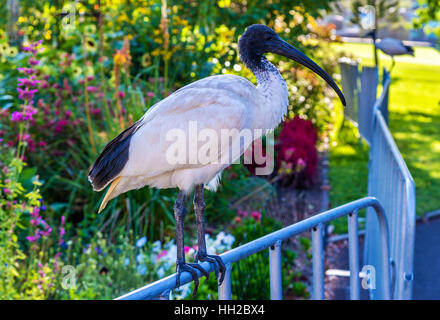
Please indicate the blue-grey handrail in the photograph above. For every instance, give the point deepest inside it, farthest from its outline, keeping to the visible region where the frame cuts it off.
(161, 288)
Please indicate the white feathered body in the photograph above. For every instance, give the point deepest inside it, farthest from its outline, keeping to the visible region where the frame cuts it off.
(217, 102)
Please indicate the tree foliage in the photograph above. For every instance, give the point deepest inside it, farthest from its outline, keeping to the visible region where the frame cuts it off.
(386, 13)
(428, 12)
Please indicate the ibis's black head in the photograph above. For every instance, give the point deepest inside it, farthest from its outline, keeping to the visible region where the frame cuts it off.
(259, 39)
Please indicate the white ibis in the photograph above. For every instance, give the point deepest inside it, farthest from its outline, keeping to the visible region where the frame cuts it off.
(138, 156)
(390, 46)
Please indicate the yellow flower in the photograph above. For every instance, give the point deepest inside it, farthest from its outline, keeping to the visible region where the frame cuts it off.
(4, 47)
(48, 35)
(90, 29)
(167, 56)
(77, 71)
(91, 44)
(155, 52)
(119, 58)
(12, 52)
(145, 60)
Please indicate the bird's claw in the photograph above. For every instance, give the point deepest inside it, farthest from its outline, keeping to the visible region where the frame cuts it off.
(192, 269)
(216, 261)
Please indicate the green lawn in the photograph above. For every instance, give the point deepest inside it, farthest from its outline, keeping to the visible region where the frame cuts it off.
(414, 123)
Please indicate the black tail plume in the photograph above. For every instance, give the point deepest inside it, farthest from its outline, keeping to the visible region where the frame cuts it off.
(112, 159)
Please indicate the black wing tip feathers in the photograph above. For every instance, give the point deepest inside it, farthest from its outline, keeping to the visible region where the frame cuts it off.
(112, 159)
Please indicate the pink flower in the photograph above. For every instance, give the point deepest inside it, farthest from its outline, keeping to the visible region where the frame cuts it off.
(68, 113)
(256, 215)
(59, 127)
(33, 238)
(27, 71)
(28, 112)
(33, 62)
(47, 232)
(150, 94)
(26, 94)
(95, 111)
(16, 116)
(92, 89)
(44, 84)
(301, 163)
(6, 191)
(121, 94)
(36, 221)
(162, 254)
(28, 82)
(35, 212)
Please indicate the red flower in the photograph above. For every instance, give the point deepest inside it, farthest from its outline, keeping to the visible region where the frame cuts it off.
(297, 148)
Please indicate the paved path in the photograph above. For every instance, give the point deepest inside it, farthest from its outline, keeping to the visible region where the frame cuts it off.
(426, 265)
(427, 261)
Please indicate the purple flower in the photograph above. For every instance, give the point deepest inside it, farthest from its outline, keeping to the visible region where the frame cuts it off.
(36, 221)
(28, 82)
(33, 62)
(27, 71)
(35, 212)
(26, 94)
(92, 89)
(28, 112)
(33, 47)
(34, 237)
(47, 232)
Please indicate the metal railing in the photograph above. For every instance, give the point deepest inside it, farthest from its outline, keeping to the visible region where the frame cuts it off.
(388, 251)
(390, 181)
(161, 289)
(360, 89)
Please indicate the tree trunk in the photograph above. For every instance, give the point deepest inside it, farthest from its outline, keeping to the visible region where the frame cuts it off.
(13, 14)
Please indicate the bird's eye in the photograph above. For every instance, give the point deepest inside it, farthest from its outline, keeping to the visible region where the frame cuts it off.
(268, 37)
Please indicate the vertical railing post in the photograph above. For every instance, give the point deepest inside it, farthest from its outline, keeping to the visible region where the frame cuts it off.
(165, 295)
(318, 263)
(353, 254)
(224, 290)
(276, 283)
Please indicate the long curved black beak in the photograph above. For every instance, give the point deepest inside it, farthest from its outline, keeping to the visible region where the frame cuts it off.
(281, 47)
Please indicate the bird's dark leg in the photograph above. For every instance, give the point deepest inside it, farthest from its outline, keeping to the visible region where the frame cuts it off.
(181, 265)
(202, 254)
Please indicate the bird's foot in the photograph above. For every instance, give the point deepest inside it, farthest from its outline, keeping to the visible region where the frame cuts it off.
(216, 261)
(192, 269)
